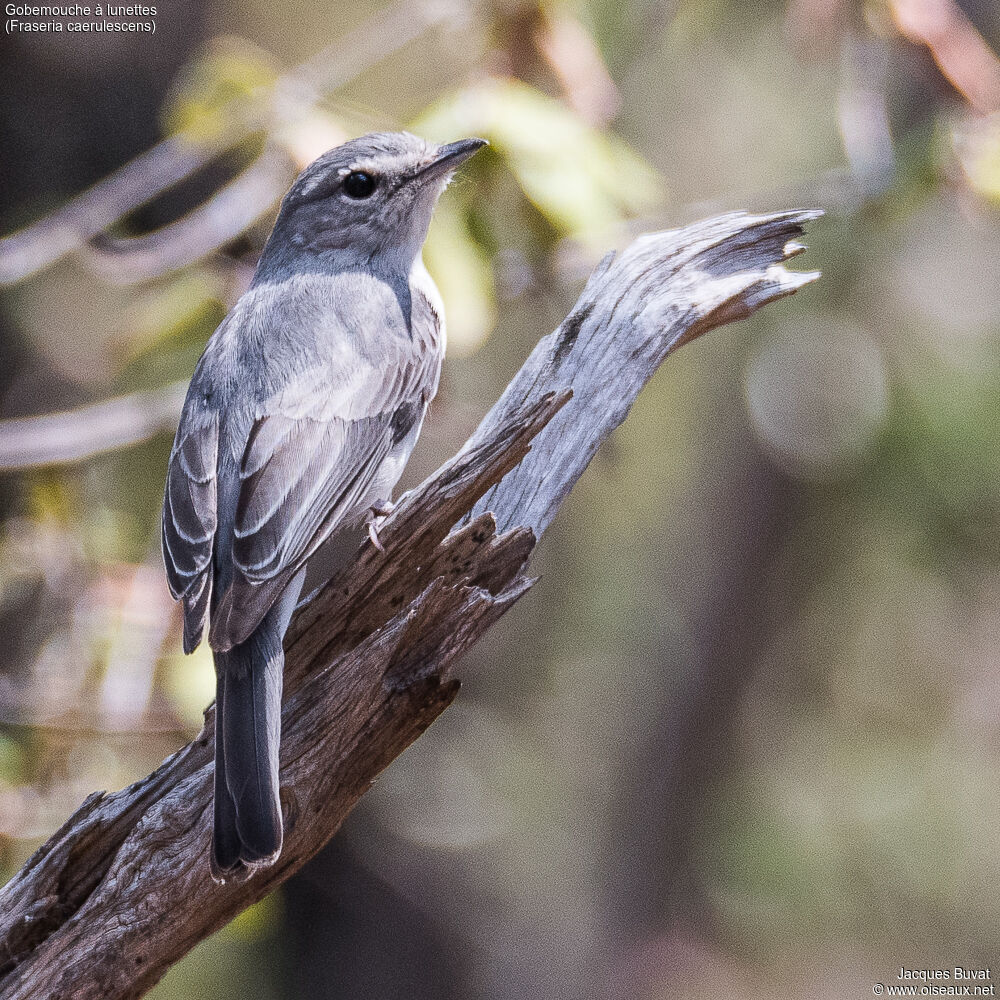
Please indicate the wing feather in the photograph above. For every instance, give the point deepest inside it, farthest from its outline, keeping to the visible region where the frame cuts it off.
(316, 451)
(307, 470)
(189, 521)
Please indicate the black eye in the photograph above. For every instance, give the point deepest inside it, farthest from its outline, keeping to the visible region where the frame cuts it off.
(359, 184)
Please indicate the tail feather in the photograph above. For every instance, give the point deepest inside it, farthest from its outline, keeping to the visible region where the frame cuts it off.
(251, 730)
(226, 846)
(248, 823)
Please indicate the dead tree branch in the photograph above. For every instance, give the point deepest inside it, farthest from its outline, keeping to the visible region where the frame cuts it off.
(123, 889)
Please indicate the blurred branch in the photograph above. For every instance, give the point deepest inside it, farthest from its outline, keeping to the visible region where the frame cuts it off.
(960, 52)
(814, 24)
(178, 156)
(863, 114)
(224, 216)
(123, 889)
(578, 65)
(544, 40)
(77, 434)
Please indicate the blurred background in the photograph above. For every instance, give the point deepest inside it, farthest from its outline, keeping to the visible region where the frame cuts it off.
(743, 737)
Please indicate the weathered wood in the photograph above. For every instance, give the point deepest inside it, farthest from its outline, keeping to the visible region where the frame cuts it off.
(123, 889)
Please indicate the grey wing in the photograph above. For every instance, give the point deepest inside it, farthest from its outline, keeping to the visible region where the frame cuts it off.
(309, 466)
(189, 521)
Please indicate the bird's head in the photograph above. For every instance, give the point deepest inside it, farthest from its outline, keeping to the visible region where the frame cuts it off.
(367, 201)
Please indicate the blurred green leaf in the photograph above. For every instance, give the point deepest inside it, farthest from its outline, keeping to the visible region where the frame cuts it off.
(979, 154)
(583, 181)
(189, 682)
(463, 276)
(229, 68)
(168, 328)
(11, 760)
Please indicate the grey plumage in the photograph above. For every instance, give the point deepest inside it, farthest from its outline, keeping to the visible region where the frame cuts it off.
(301, 414)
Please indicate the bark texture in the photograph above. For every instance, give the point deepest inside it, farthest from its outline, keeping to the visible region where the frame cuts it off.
(123, 890)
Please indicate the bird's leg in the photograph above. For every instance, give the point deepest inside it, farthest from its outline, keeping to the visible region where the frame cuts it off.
(378, 511)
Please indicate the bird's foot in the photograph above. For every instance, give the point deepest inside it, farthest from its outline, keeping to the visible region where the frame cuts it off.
(378, 511)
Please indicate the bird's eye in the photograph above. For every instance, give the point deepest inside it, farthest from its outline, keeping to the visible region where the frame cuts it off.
(358, 184)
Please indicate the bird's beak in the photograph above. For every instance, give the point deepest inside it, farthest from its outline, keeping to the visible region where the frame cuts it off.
(451, 155)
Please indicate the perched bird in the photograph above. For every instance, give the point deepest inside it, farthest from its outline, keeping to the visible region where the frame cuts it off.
(298, 421)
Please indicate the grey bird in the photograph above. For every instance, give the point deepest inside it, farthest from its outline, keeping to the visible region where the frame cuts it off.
(299, 419)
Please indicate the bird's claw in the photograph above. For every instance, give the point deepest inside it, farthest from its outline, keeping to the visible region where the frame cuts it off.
(373, 535)
(379, 511)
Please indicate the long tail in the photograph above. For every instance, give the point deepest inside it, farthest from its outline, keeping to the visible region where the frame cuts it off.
(248, 825)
